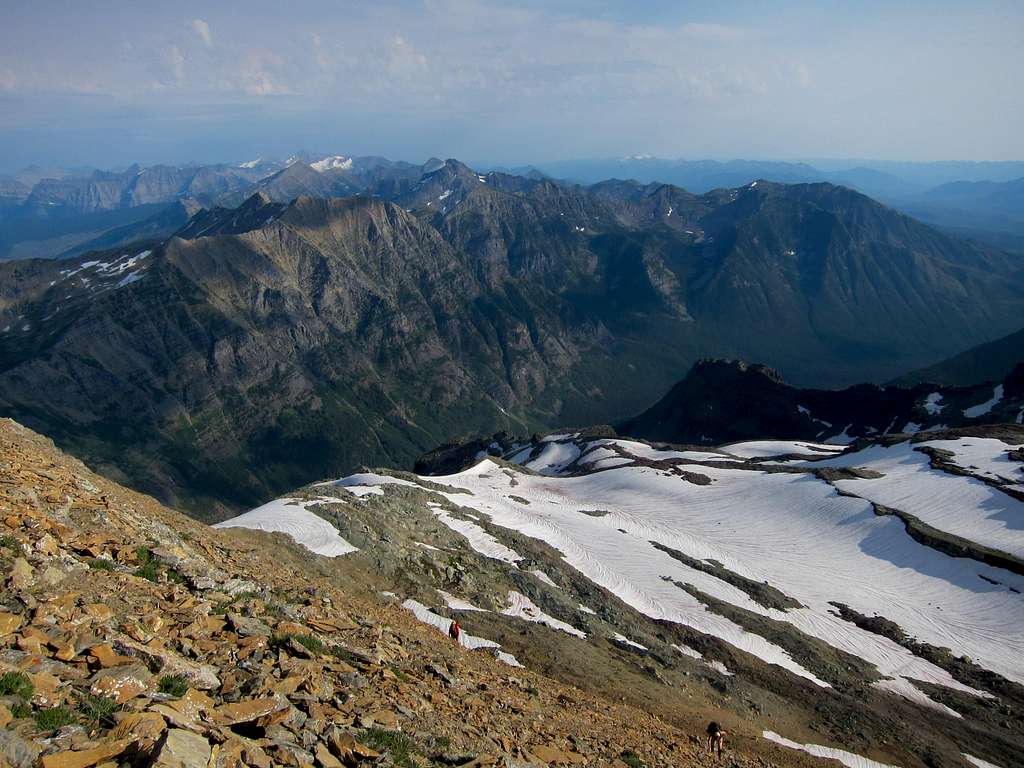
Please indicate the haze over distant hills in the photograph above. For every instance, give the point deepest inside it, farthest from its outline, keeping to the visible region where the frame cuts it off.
(52, 212)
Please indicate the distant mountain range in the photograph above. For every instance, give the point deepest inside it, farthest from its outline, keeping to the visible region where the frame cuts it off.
(287, 339)
(64, 212)
(980, 200)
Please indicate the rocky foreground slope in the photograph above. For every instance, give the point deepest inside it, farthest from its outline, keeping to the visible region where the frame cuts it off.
(132, 635)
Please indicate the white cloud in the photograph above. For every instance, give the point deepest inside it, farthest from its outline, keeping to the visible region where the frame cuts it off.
(404, 60)
(803, 74)
(177, 61)
(257, 75)
(202, 29)
(320, 56)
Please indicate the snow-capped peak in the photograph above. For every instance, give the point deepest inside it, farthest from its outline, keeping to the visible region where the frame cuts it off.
(332, 162)
(251, 163)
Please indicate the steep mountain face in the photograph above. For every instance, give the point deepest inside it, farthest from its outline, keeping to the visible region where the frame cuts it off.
(272, 342)
(720, 401)
(345, 329)
(987, 362)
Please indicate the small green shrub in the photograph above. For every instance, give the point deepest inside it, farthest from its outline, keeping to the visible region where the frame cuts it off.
(173, 685)
(101, 564)
(9, 542)
(16, 684)
(148, 571)
(174, 577)
(399, 746)
(310, 643)
(53, 718)
(143, 554)
(21, 710)
(632, 759)
(98, 712)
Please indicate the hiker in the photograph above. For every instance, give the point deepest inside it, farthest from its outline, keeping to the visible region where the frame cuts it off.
(716, 737)
(455, 631)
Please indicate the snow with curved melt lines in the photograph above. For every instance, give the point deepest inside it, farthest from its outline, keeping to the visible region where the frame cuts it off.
(466, 640)
(962, 506)
(292, 516)
(522, 607)
(983, 456)
(846, 758)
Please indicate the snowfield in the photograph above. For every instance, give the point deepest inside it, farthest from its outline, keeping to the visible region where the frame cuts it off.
(293, 517)
(773, 538)
(791, 530)
(962, 506)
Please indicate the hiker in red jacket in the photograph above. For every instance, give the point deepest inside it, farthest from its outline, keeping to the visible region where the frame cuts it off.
(455, 631)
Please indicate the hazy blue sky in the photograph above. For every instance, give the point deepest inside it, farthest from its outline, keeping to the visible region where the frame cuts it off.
(108, 82)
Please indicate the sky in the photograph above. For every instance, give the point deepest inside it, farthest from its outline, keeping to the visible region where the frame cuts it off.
(108, 83)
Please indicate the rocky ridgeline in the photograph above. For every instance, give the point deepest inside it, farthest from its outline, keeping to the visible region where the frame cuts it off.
(132, 635)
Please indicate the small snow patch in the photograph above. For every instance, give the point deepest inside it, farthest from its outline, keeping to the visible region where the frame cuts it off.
(522, 607)
(931, 404)
(457, 603)
(544, 577)
(620, 638)
(982, 408)
(846, 758)
(466, 640)
(292, 516)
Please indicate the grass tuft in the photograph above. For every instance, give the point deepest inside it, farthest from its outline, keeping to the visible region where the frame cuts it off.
(54, 718)
(101, 564)
(173, 685)
(149, 572)
(16, 684)
(632, 759)
(98, 712)
(310, 643)
(396, 744)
